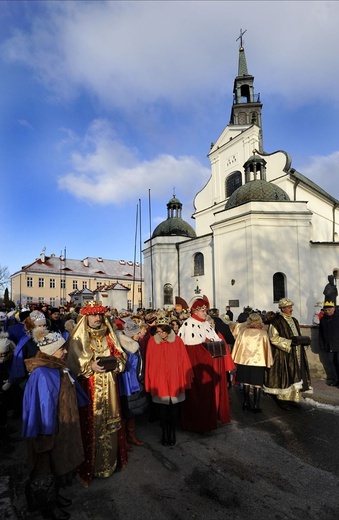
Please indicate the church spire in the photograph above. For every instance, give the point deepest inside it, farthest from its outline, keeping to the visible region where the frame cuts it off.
(242, 67)
(246, 109)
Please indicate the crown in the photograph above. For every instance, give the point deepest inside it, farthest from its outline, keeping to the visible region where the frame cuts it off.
(328, 304)
(93, 307)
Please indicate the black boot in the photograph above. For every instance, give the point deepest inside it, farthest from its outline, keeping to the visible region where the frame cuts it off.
(247, 403)
(257, 395)
(164, 436)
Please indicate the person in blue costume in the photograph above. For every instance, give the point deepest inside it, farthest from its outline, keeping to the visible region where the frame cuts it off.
(25, 349)
(17, 331)
(133, 397)
(51, 426)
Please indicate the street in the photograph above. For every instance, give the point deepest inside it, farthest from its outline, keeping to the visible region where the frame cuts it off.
(271, 466)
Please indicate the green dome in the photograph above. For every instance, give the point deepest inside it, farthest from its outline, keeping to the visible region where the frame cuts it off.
(174, 226)
(256, 190)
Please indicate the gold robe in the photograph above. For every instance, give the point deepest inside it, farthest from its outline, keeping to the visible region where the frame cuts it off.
(102, 418)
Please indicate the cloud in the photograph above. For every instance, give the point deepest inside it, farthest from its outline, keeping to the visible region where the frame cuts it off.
(129, 53)
(105, 171)
(24, 122)
(324, 171)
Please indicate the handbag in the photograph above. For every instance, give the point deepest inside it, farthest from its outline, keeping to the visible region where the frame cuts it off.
(215, 348)
(109, 363)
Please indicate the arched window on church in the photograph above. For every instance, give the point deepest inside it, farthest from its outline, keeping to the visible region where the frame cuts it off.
(233, 182)
(168, 294)
(279, 286)
(199, 267)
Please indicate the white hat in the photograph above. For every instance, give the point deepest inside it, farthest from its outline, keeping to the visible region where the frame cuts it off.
(48, 342)
(38, 318)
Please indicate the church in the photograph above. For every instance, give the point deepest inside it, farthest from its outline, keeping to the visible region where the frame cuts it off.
(263, 230)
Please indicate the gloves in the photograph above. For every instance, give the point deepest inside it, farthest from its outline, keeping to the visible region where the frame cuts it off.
(300, 340)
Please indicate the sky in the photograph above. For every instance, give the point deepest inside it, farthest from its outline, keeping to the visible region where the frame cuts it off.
(108, 108)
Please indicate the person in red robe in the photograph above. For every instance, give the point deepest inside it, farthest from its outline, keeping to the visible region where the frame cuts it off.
(207, 400)
(168, 375)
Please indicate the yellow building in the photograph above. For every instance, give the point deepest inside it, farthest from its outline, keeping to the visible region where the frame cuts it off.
(52, 279)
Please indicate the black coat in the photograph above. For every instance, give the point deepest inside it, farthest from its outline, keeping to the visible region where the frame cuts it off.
(223, 328)
(329, 333)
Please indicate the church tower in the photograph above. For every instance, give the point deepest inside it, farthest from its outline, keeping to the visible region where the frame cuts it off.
(246, 108)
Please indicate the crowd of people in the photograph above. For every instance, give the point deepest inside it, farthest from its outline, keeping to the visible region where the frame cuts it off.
(81, 378)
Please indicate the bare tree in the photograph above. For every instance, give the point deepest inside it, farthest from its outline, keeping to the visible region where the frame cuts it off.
(4, 277)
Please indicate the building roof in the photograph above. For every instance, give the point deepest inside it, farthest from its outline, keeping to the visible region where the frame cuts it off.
(256, 190)
(88, 267)
(174, 226)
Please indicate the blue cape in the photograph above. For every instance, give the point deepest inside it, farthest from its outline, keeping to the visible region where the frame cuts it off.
(40, 403)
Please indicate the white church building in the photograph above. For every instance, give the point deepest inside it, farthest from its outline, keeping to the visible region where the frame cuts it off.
(262, 230)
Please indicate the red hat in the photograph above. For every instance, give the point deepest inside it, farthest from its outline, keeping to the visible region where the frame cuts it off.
(200, 304)
(92, 308)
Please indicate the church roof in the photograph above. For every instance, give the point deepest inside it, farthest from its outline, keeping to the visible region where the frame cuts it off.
(174, 226)
(257, 190)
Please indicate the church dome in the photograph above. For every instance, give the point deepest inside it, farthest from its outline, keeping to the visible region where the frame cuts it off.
(174, 225)
(256, 190)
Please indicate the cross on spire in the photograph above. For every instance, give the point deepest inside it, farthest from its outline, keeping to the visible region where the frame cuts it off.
(241, 37)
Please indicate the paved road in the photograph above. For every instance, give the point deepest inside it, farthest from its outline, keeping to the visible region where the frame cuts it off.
(272, 466)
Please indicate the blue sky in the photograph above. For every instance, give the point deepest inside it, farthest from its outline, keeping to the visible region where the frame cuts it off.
(101, 102)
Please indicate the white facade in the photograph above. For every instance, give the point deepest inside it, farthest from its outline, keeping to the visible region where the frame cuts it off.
(244, 246)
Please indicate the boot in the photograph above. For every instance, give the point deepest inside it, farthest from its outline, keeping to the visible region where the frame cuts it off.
(130, 436)
(171, 438)
(129, 448)
(247, 403)
(257, 395)
(164, 435)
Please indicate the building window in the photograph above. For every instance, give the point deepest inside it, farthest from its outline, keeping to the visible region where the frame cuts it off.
(139, 304)
(41, 300)
(29, 281)
(198, 264)
(63, 301)
(168, 294)
(52, 283)
(41, 282)
(62, 283)
(233, 182)
(279, 286)
(129, 305)
(75, 284)
(29, 300)
(139, 288)
(98, 285)
(52, 302)
(84, 285)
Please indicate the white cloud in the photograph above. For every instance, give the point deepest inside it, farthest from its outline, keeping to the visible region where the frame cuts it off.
(324, 171)
(105, 171)
(127, 53)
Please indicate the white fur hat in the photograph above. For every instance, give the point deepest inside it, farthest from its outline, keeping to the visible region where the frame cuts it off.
(48, 342)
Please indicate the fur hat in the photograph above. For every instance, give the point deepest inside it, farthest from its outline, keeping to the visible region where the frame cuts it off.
(131, 328)
(38, 318)
(285, 302)
(48, 342)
